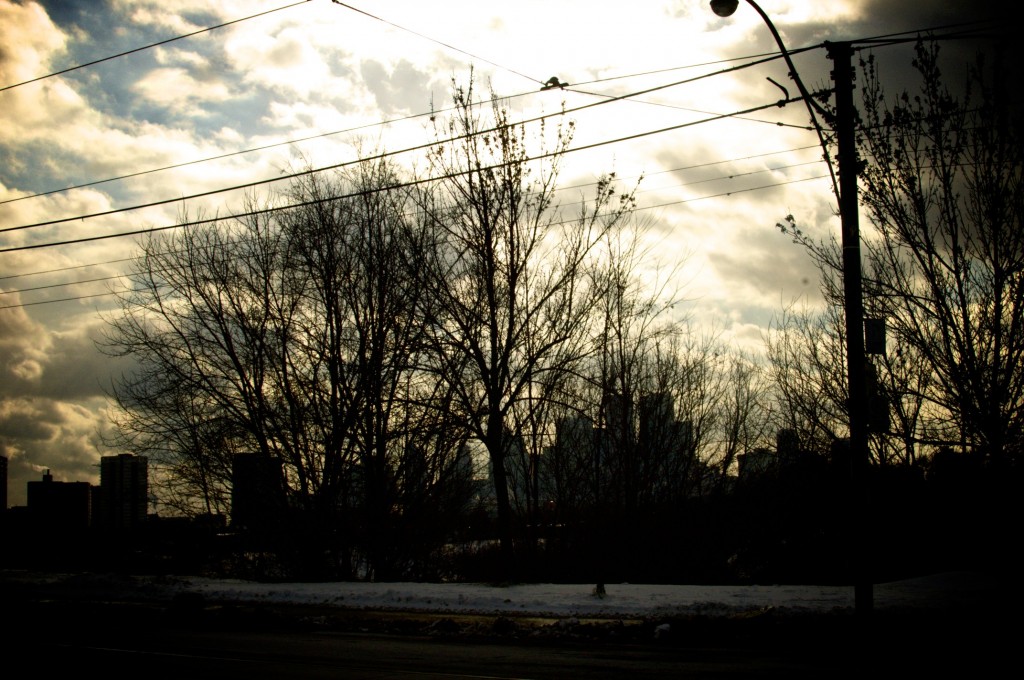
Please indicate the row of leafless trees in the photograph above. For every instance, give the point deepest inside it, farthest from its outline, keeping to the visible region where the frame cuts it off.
(943, 186)
(378, 335)
(391, 339)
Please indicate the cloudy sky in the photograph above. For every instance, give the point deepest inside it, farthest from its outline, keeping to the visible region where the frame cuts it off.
(109, 106)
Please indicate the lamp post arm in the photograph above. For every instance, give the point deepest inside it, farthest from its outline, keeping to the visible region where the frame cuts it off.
(844, 126)
(812, 105)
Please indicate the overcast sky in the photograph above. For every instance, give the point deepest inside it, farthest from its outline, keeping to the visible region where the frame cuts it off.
(285, 81)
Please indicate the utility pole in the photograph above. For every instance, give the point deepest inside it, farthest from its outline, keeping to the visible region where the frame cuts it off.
(844, 123)
(856, 362)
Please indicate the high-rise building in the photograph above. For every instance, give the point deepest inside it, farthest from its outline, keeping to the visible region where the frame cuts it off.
(124, 492)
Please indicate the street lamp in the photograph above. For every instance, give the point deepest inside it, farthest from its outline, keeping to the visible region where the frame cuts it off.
(724, 8)
(846, 190)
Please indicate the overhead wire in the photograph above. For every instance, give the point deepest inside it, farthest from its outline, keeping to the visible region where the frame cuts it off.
(251, 213)
(631, 211)
(418, 147)
(637, 209)
(589, 146)
(884, 40)
(730, 176)
(632, 97)
(451, 47)
(423, 114)
(560, 188)
(150, 46)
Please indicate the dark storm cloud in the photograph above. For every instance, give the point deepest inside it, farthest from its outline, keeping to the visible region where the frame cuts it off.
(41, 435)
(27, 420)
(77, 13)
(74, 369)
(51, 398)
(22, 347)
(874, 19)
(40, 363)
(922, 18)
(931, 13)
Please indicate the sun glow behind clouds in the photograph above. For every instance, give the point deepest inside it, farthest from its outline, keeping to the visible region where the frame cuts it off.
(319, 67)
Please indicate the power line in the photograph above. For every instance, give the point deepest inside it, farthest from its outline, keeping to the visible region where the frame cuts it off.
(419, 147)
(388, 122)
(451, 47)
(209, 158)
(878, 41)
(60, 285)
(561, 188)
(50, 302)
(253, 213)
(632, 211)
(558, 189)
(623, 97)
(903, 37)
(146, 47)
(630, 96)
(692, 110)
(66, 269)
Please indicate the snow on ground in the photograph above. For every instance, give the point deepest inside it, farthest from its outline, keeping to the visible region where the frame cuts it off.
(623, 600)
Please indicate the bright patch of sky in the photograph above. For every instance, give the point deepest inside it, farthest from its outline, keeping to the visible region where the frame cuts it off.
(285, 83)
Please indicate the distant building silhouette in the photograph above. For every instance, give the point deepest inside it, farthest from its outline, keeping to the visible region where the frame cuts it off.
(257, 492)
(123, 493)
(465, 469)
(572, 466)
(3, 483)
(59, 507)
(756, 462)
(787, 445)
(657, 420)
(787, 456)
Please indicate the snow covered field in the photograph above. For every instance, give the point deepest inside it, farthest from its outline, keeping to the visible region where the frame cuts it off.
(940, 592)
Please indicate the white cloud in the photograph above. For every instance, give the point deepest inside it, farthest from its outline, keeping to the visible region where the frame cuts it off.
(51, 399)
(179, 88)
(38, 42)
(319, 67)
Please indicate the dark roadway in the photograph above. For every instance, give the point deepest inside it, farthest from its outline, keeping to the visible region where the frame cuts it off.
(221, 640)
(47, 633)
(346, 655)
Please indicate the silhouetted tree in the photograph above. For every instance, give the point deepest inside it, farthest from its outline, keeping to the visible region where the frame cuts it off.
(294, 333)
(509, 278)
(944, 188)
(941, 183)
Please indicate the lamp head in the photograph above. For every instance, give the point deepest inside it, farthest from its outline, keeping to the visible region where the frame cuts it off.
(724, 8)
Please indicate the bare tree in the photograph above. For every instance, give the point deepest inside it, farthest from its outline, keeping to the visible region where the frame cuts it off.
(196, 321)
(944, 187)
(805, 351)
(944, 269)
(509, 277)
(294, 333)
(746, 412)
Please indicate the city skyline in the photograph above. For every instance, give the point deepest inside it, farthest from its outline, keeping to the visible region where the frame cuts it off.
(273, 85)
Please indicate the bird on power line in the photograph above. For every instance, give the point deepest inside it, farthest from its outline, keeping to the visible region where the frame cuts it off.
(554, 82)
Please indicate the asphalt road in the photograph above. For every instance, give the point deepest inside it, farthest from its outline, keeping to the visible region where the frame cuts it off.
(224, 654)
(50, 632)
